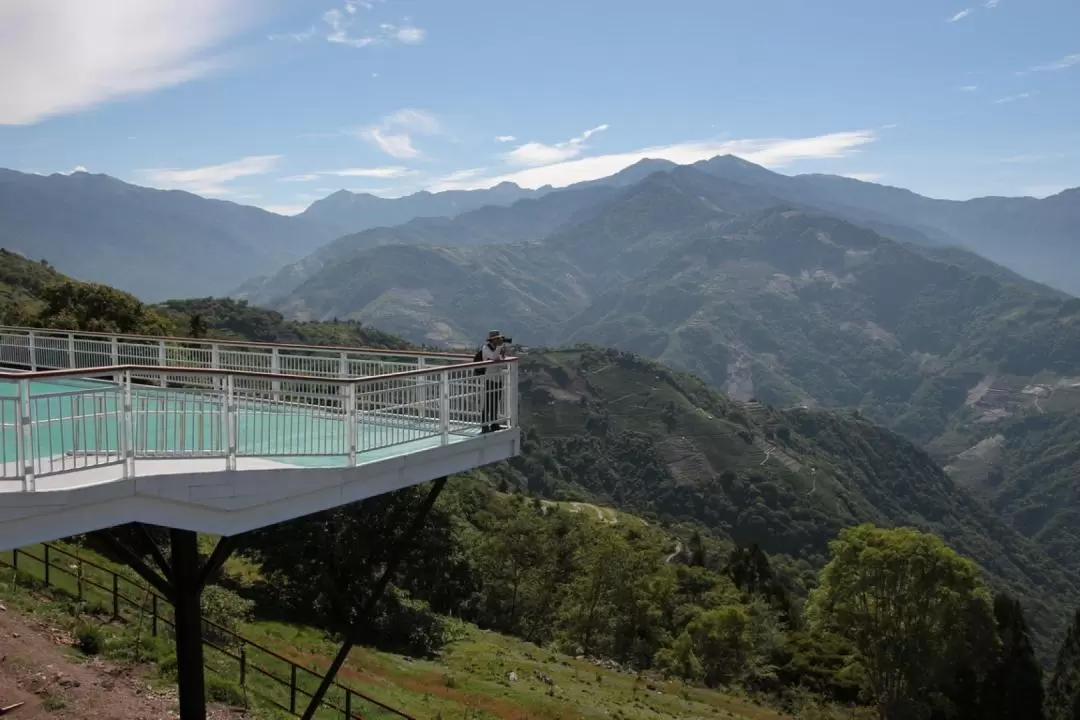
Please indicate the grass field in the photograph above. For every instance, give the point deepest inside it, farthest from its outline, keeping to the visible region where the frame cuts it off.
(472, 678)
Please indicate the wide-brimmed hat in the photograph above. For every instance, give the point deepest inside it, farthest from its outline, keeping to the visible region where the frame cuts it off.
(494, 335)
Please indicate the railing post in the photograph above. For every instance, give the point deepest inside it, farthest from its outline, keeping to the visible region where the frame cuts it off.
(114, 350)
(348, 704)
(25, 433)
(127, 431)
(275, 367)
(343, 365)
(215, 356)
(162, 362)
(153, 614)
(350, 422)
(444, 406)
(511, 394)
(31, 341)
(47, 564)
(243, 665)
(115, 595)
(232, 416)
(292, 688)
(71, 349)
(15, 560)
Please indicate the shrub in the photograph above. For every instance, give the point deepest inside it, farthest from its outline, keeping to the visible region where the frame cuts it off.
(89, 639)
(226, 609)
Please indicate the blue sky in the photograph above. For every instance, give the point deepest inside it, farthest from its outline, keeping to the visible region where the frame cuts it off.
(278, 102)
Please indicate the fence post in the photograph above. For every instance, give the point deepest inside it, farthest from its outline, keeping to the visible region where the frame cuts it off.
(350, 422)
(32, 342)
(47, 563)
(444, 406)
(162, 357)
(292, 688)
(79, 580)
(348, 704)
(233, 419)
(243, 665)
(153, 614)
(115, 595)
(71, 350)
(15, 561)
(24, 432)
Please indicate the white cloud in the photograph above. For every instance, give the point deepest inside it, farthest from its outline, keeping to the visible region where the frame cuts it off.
(534, 153)
(1014, 98)
(394, 134)
(340, 23)
(377, 172)
(285, 209)
(302, 36)
(210, 181)
(991, 4)
(960, 15)
(60, 56)
(383, 172)
(864, 176)
(769, 152)
(968, 88)
(505, 138)
(72, 171)
(1060, 64)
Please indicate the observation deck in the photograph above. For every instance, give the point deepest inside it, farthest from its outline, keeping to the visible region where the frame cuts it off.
(222, 437)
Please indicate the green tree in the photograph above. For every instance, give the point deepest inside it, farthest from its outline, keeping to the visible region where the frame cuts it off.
(1014, 685)
(197, 326)
(1063, 692)
(910, 605)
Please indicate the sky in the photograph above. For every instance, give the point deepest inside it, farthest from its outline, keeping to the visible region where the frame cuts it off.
(277, 103)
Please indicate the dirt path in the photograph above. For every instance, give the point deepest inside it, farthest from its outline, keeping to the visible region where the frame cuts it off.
(38, 667)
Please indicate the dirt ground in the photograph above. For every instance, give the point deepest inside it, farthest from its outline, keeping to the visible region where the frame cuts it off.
(38, 667)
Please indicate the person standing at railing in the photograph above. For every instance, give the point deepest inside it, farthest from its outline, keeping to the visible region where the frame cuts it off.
(494, 380)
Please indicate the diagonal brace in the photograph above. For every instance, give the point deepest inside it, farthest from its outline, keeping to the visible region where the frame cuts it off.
(364, 616)
(136, 563)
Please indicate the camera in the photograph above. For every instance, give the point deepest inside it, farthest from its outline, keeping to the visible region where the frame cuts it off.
(507, 340)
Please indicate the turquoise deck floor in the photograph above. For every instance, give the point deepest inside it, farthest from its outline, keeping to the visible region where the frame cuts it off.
(178, 423)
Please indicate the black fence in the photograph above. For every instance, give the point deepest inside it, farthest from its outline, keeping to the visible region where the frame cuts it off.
(269, 676)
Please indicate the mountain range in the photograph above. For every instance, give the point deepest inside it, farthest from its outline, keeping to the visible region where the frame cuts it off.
(160, 244)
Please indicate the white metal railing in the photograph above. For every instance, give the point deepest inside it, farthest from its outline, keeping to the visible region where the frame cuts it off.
(38, 349)
(116, 415)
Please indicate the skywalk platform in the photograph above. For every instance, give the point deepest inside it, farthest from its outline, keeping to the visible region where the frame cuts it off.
(224, 437)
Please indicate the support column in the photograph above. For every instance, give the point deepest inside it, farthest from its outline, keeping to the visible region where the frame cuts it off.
(186, 596)
(181, 580)
(368, 610)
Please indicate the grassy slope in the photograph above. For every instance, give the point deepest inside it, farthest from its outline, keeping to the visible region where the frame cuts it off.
(469, 680)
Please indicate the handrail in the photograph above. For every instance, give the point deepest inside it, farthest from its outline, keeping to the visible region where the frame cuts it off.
(165, 411)
(243, 343)
(244, 664)
(179, 370)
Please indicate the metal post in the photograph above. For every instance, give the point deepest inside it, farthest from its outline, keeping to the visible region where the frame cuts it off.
(25, 428)
(115, 595)
(350, 422)
(31, 340)
(127, 430)
(364, 616)
(162, 361)
(47, 564)
(275, 367)
(186, 593)
(444, 406)
(71, 350)
(114, 350)
(510, 397)
(233, 419)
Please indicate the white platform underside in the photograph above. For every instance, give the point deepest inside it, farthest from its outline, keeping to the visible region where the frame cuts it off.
(197, 494)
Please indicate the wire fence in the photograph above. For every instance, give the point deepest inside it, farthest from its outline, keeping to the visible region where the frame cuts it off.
(266, 674)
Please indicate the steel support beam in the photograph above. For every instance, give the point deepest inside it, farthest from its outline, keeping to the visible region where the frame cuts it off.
(181, 581)
(368, 609)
